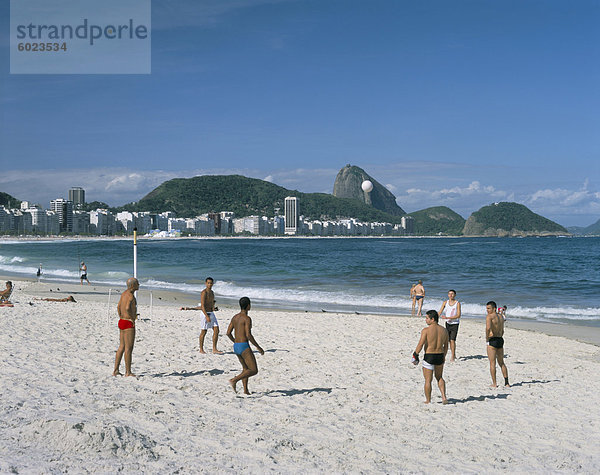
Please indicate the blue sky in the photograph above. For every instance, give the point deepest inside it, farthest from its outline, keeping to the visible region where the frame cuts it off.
(458, 103)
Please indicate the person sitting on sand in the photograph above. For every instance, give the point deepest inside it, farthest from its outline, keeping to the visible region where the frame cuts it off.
(419, 291)
(127, 310)
(5, 294)
(494, 332)
(66, 299)
(241, 324)
(207, 305)
(435, 340)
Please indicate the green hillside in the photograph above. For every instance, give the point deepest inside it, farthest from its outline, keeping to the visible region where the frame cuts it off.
(509, 219)
(593, 229)
(248, 196)
(9, 201)
(436, 220)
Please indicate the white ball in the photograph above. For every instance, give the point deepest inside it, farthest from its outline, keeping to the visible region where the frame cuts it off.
(367, 186)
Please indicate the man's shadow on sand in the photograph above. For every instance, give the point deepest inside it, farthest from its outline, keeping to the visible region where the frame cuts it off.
(477, 398)
(296, 392)
(502, 395)
(272, 350)
(483, 357)
(187, 374)
(535, 381)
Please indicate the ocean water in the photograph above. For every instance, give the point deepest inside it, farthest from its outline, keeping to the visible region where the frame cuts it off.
(546, 279)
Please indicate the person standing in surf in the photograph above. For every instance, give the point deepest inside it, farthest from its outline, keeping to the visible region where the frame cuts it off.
(83, 270)
(419, 291)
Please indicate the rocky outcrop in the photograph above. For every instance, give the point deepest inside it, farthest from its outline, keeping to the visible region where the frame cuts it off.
(510, 219)
(348, 185)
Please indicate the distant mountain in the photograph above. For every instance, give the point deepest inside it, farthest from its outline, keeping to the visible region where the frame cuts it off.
(249, 196)
(592, 229)
(9, 201)
(510, 219)
(436, 220)
(348, 185)
(576, 230)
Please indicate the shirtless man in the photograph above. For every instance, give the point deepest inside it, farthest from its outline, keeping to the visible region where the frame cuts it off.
(127, 310)
(207, 305)
(413, 298)
(242, 325)
(419, 291)
(494, 331)
(435, 340)
(83, 270)
(450, 312)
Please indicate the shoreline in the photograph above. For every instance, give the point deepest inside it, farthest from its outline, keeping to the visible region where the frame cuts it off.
(143, 237)
(173, 298)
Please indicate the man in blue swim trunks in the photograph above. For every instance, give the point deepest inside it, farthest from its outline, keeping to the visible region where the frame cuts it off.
(241, 324)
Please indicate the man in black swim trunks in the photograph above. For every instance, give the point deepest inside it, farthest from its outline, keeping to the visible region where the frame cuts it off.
(83, 270)
(494, 332)
(435, 340)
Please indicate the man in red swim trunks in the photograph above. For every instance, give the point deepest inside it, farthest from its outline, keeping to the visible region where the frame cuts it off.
(127, 310)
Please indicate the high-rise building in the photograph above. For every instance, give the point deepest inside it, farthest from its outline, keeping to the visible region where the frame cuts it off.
(291, 215)
(77, 197)
(408, 223)
(64, 211)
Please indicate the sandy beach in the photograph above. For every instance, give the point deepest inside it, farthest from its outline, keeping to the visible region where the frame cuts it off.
(334, 393)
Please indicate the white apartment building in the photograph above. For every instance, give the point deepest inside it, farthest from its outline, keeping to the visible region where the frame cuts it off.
(102, 222)
(125, 221)
(64, 209)
(81, 222)
(291, 215)
(408, 223)
(177, 224)
(52, 223)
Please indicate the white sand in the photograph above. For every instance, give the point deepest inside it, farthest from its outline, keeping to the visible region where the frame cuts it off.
(335, 393)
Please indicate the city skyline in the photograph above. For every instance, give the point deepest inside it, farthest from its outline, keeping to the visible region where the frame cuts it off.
(459, 104)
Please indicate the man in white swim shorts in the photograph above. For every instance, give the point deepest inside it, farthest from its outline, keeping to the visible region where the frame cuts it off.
(207, 305)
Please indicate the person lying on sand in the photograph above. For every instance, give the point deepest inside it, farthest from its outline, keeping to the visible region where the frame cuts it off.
(66, 299)
(435, 340)
(242, 325)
